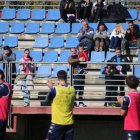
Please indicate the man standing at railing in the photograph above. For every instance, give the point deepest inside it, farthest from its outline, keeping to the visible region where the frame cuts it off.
(5, 99)
(62, 97)
(9, 69)
(121, 70)
(79, 79)
(130, 109)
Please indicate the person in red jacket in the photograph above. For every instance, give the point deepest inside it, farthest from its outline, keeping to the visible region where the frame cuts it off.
(130, 109)
(82, 54)
(5, 100)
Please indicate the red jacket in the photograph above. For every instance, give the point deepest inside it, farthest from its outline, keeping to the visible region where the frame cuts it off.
(5, 100)
(83, 54)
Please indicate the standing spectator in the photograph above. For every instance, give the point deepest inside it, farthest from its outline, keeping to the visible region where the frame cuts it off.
(116, 36)
(84, 9)
(85, 36)
(27, 70)
(130, 109)
(101, 38)
(97, 10)
(132, 37)
(109, 82)
(79, 80)
(5, 100)
(67, 10)
(62, 97)
(121, 70)
(9, 69)
(82, 53)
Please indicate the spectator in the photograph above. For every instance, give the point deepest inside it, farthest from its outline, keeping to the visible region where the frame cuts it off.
(62, 97)
(97, 10)
(5, 100)
(67, 10)
(82, 53)
(116, 36)
(9, 69)
(26, 69)
(85, 36)
(101, 38)
(84, 9)
(109, 82)
(132, 37)
(130, 109)
(121, 70)
(79, 80)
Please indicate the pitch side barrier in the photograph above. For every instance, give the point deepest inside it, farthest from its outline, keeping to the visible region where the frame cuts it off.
(94, 86)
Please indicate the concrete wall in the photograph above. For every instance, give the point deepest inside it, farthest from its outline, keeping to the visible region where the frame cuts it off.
(86, 128)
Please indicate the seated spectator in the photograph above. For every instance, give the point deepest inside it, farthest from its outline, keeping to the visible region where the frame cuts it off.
(85, 36)
(67, 11)
(84, 9)
(82, 53)
(79, 80)
(116, 36)
(26, 75)
(9, 69)
(132, 37)
(97, 10)
(101, 38)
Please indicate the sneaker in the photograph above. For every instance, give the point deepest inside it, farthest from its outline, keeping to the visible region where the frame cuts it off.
(81, 104)
(26, 104)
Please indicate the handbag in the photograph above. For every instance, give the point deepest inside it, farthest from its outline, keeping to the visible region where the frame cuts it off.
(22, 75)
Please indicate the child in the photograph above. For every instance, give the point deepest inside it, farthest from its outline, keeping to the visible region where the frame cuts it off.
(130, 109)
(82, 53)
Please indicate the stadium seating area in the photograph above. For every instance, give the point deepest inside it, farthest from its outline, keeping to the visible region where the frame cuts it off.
(50, 41)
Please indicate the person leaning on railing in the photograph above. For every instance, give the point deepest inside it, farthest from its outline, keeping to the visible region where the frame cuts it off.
(9, 69)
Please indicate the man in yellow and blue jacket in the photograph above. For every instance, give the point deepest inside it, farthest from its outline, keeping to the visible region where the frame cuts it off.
(62, 97)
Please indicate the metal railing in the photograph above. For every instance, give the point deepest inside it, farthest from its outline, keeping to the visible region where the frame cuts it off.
(94, 88)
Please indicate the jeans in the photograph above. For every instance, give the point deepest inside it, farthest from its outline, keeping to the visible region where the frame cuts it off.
(25, 92)
(115, 42)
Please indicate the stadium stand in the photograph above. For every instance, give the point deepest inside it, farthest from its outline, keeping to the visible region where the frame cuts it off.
(62, 28)
(36, 55)
(47, 28)
(19, 54)
(97, 56)
(109, 55)
(137, 71)
(101, 72)
(58, 68)
(32, 28)
(38, 14)
(71, 42)
(8, 14)
(64, 55)
(53, 14)
(44, 71)
(11, 41)
(50, 56)
(4, 27)
(23, 14)
(17, 28)
(56, 42)
(1, 41)
(76, 27)
(133, 13)
(41, 42)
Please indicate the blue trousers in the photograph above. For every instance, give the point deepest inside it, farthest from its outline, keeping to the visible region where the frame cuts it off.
(132, 136)
(60, 132)
(115, 42)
